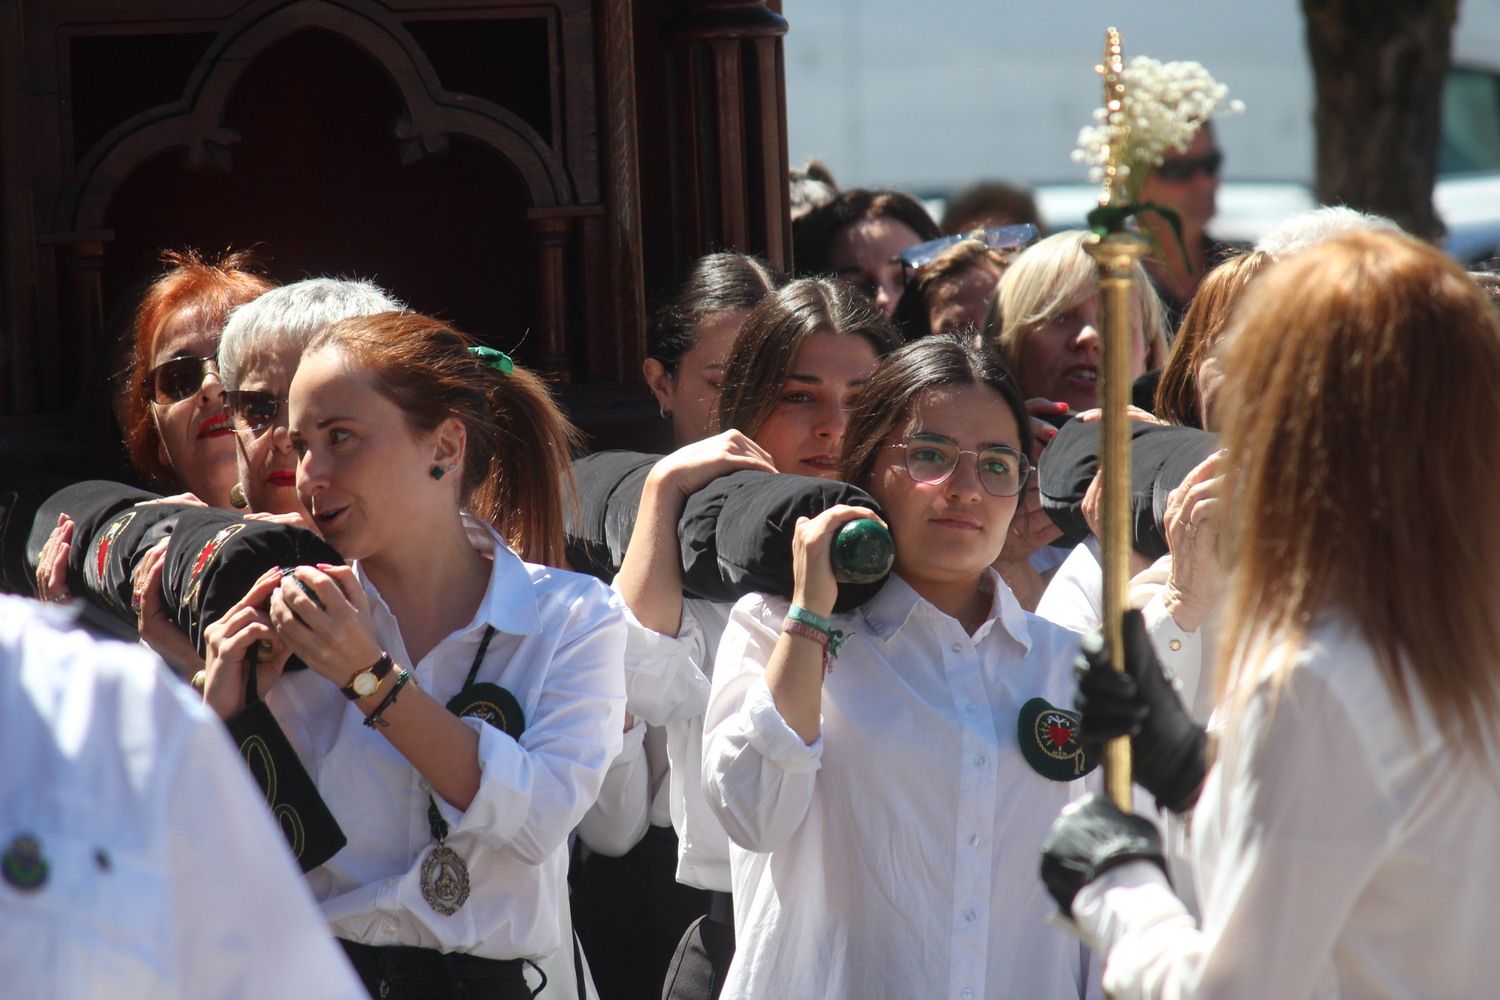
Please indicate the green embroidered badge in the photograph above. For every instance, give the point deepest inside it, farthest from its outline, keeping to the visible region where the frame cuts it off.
(1049, 741)
(23, 865)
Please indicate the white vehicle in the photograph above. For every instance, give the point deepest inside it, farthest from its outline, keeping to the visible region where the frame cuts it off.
(931, 97)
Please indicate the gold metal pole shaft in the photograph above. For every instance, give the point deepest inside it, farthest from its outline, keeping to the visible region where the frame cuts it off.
(1115, 255)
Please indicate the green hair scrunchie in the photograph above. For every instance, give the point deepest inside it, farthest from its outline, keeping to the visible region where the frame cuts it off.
(491, 358)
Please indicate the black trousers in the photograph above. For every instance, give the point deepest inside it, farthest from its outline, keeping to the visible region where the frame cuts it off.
(401, 973)
(703, 956)
(630, 912)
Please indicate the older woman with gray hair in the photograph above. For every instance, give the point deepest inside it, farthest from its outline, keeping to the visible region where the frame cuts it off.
(258, 354)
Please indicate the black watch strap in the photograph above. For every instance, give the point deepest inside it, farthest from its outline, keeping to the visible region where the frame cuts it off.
(379, 668)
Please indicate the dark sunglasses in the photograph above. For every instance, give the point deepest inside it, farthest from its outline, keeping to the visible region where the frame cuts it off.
(178, 378)
(252, 411)
(1186, 168)
(1002, 239)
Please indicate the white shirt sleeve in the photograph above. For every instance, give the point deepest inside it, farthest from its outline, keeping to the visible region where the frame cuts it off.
(757, 772)
(665, 679)
(1284, 871)
(1072, 598)
(617, 821)
(533, 793)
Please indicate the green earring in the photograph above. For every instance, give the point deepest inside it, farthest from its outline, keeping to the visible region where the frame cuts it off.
(436, 472)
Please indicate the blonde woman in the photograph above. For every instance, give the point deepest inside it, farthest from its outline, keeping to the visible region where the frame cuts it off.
(1045, 321)
(1343, 839)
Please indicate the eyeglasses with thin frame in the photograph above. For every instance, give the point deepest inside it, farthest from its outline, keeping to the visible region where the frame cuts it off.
(175, 380)
(251, 410)
(932, 458)
(1005, 240)
(1185, 168)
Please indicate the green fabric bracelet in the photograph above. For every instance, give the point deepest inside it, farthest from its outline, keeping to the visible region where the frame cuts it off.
(375, 718)
(797, 613)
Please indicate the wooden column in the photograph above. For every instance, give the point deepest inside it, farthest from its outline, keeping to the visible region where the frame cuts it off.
(80, 290)
(731, 129)
(550, 239)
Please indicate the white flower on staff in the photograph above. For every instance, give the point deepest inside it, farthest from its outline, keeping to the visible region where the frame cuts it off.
(1164, 105)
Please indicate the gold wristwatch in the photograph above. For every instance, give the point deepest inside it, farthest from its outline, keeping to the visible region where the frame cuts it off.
(364, 683)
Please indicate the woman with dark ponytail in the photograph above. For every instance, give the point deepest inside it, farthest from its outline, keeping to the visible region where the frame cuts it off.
(463, 699)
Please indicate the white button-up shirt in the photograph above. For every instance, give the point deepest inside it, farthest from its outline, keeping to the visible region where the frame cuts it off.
(1340, 853)
(668, 679)
(1075, 600)
(166, 876)
(559, 648)
(896, 856)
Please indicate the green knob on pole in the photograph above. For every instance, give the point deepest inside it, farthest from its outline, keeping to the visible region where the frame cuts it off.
(862, 552)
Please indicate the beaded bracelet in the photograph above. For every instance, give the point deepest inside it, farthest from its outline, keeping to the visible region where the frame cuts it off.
(374, 718)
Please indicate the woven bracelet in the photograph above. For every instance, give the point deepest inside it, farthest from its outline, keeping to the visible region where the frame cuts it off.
(374, 718)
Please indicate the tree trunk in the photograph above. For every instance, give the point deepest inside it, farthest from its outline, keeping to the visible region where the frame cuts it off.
(1378, 70)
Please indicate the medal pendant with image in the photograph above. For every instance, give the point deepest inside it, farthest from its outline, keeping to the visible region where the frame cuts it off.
(445, 880)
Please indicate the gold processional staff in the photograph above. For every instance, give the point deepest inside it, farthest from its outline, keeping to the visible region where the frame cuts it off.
(1115, 253)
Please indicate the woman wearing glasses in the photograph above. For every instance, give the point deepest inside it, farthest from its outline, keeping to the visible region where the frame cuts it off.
(177, 431)
(1187, 182)
(885, 775)
(262, 345)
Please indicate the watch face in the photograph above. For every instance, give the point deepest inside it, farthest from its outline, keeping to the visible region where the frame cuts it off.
(365, 683)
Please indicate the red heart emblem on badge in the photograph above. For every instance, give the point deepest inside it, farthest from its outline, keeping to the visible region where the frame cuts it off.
(1059, 734)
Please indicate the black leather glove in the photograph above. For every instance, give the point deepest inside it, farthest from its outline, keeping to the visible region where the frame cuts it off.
(1090, 837)
(1167, 745)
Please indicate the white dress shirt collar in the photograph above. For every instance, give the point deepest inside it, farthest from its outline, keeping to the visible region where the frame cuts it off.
(509, 602)
(889, 610)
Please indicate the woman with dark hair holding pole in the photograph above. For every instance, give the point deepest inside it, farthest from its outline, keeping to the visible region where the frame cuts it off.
(1343, 811)
(461, 705)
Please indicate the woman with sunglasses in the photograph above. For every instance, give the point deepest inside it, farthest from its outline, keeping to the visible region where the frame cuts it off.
(261, 347)
(885, 775)
(461, 705)
(177, 431)
(792, 372)
(1187, 182)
